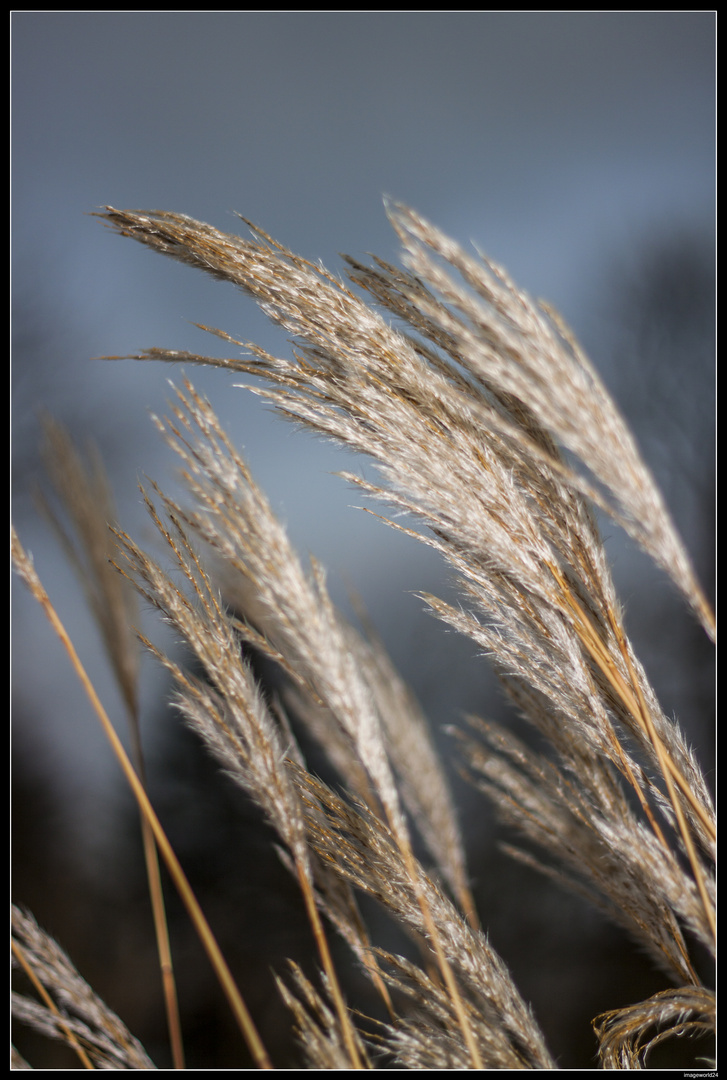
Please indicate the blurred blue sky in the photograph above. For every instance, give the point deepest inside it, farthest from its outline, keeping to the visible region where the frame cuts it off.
(558, 142)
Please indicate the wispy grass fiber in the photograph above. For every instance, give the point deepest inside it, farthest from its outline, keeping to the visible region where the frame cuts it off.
(490, 427)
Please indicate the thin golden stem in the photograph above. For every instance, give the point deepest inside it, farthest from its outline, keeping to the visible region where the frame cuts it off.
(163, 947)
(349, 1034)
(633, 699)
(50, 1003)
(27, 572)
(664, 759)
(444, 965)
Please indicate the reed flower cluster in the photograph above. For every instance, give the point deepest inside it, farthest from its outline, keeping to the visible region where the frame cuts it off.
(491, 429)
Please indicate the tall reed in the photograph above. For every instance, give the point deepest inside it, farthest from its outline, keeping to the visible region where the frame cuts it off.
(489, 426)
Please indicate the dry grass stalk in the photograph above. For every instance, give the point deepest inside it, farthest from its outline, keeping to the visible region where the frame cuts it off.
(465, 411)
(24, 566)
(87, 499)
(85, 1020)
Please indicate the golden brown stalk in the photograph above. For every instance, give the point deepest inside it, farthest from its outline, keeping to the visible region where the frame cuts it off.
(72, 1011)
(88, 500)
(50, 1003)
(25, 568)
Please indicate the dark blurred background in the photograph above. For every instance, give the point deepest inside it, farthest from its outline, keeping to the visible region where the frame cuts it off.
(576, 149)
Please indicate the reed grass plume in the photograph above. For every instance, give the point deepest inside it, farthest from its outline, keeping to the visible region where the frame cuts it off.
(490, 428)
